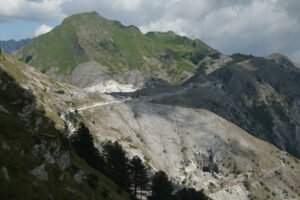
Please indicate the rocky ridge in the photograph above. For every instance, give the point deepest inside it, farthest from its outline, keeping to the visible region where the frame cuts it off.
(11, 46)
(195, 147)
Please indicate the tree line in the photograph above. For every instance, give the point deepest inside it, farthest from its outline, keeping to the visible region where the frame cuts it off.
(129, 174)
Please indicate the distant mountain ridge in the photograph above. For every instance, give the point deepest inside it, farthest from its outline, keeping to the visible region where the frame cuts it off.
(10, 46)
(87, 44)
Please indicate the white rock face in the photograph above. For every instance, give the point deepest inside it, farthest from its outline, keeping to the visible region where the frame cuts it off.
(69, 125)
(5, 146)
(79, 177)
(111, 86)
(2, 109)
(179, 140)
(215, 64)
(40, 172)
(52, 154)
(5, 173)
(234, 192)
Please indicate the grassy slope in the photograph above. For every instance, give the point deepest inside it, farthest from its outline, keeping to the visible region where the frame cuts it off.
(18, 159)
(88, 36)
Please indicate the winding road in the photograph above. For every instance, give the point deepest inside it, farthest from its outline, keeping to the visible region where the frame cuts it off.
(98, 104)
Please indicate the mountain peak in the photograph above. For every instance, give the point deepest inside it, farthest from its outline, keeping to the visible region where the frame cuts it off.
(90, 14)
(89, 37)
(281, 59)
(82, 17)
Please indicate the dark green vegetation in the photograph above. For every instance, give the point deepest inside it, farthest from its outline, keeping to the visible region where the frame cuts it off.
(84, 146)
(130, 175)
(238, 57)
(36, 160)
(140, 180)
(90, 37)
(162, 188)
(247, 184)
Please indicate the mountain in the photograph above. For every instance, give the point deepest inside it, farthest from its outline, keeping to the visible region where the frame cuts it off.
(11, 46)
(208, 120)
(195, 147)
(37, 161)
(87, 50)
(260, 95)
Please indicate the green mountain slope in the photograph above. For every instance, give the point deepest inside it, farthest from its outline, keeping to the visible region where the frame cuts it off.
(36, 161)
(90, 37)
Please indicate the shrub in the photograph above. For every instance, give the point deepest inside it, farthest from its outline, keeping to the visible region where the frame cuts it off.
(105, 193)
(267, 189)
(247, 184)
(28, 59)
(92, 180)
(60, 92)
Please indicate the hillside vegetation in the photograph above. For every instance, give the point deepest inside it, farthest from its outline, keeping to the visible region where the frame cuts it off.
(36, 160)
(89, 37)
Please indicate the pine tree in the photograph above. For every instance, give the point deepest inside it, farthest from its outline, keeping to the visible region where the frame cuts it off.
(138, 175)
(161, 188)
(84, 146)
(117, 164)
(190, 194)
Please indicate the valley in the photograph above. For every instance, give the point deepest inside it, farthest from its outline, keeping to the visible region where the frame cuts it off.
(227, 124)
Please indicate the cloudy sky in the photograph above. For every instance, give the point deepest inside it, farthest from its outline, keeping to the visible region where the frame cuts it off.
(257, 27)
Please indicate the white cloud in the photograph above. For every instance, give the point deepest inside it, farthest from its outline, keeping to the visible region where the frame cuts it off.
(42, 30)
(129, 5)
(36, 10)
(296, 56)
(136, 12)
(257, 27)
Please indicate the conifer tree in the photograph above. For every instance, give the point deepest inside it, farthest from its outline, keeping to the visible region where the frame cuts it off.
(138, 175)
(84, 146)
(190, 194)
(117, 164)
(162, 187)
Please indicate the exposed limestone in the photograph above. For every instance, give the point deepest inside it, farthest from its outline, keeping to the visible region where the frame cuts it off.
(111, 86)
(5, 146)
(5, 173)
(52, 154)
(79, 177)
(2, 109)
(231, 193)
(27, 110)
(195, 147)
(69, 125)
(40, 172)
